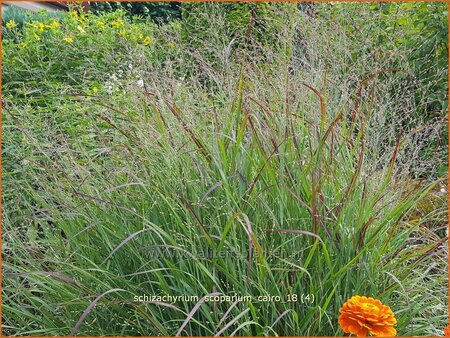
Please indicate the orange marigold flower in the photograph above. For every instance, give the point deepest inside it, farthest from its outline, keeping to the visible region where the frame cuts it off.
(447, 331)
(361, 315)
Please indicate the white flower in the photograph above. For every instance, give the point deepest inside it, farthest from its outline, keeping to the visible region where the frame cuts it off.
(140, 83)
(109, 89)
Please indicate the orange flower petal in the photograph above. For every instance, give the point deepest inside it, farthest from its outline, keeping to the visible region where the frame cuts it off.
(361, 315)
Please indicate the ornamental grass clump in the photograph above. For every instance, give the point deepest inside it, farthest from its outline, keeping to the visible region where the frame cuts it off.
(275, 182)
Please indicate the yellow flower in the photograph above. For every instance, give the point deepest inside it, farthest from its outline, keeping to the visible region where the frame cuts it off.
(11, 24)
(171, 44)
(53, 25)
(117, 23)
(40, 26)
(95, 90)
(361, 315)
(101, 24)
(147, 40)
(68, 39)
(81, 29)
(73, 14)
(122, 33)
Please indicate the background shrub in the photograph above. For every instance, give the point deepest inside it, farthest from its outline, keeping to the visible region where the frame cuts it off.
(159, 12)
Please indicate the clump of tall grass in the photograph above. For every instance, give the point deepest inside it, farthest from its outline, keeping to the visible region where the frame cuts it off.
(278, 182)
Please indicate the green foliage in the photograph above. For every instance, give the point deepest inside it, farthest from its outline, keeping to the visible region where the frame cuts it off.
(78, 49)
(424, 28)
(67, 159)
(248, 26)
(166, 160)
(159, 12)
(419, 29)
(412, 39)
(17, 14)
(20, 16)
